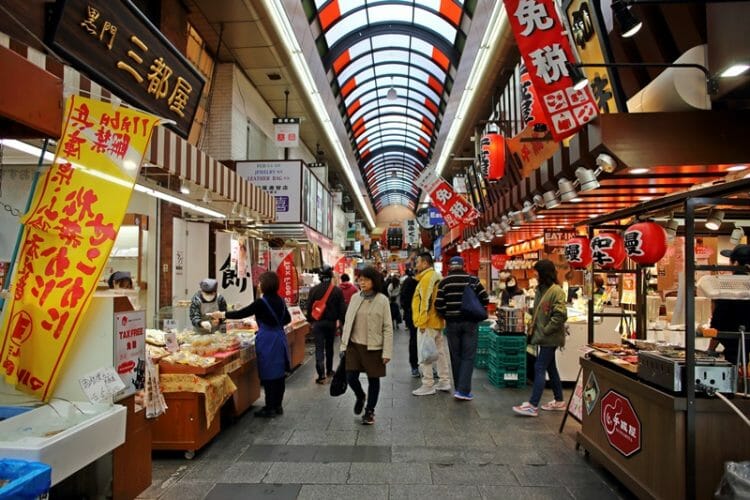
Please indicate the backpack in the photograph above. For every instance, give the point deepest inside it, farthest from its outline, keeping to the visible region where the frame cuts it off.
(471, 308)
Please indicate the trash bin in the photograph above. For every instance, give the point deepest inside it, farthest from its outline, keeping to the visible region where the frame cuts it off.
(21, 479)
(735, 483)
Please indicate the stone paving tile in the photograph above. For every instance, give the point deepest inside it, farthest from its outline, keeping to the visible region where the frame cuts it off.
(518, 455)
(541, 475)
(473, 475)
(244, 472)
(347, 420)
(576, 475)
(187, 490)
(224, 491)
(308, 473)
(433, 492)
(388, 473)
(598, 492)
(207, 471)
(525, 493)
(276, 453)
(372, 435)
(323, 437)
(343, 492)
(271, 436)
(372, 454)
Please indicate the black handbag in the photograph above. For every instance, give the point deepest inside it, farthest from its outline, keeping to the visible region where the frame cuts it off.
(471, 308)
(338, 383)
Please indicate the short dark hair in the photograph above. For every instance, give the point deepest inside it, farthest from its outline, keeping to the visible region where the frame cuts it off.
(269, 283)
(344, 278)
(372, 274)
(598, 281)
(427, 256)
(547, 272)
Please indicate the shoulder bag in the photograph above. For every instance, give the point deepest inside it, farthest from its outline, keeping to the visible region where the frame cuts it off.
(319, 306)
(471, 308)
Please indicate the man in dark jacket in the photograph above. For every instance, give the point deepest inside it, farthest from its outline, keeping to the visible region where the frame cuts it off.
(728, 315)
(408, 287)
(324, 329)
(462, 334)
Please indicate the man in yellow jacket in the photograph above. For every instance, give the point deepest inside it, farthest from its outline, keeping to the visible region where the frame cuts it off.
(429, 324)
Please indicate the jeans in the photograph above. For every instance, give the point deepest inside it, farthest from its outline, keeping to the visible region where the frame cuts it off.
(462, 344)
(545, 362)
(443, 369)
(373, 388)
(413, 358)
(324, 334)
(274, 392)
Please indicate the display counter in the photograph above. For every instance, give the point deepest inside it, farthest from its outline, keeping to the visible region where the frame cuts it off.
(296, 337)
(638, 433)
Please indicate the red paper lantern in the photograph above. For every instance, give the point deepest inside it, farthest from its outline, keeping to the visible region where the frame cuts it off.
(607, 250)
(578, 252)
(645, 242)
(492, 146)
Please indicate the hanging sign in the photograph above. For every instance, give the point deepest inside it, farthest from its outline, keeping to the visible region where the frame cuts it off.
(499, 260)
(282, 261)
(454, 207)
(591, 393)
(234, 268)
(68, 233)
(621, 423)
(578, 252)
(130, 351)
(544, 47)
(555, 239)
(645, 242)
(492, 146)
(607, 250)
(286, 132)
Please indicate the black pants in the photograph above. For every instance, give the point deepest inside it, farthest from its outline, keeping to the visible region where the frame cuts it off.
(373, 388)
(413, 359)
(324, 334)
(395, 312)
(274, 392)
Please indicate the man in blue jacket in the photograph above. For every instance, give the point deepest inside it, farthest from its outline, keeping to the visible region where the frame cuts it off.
(462, 334)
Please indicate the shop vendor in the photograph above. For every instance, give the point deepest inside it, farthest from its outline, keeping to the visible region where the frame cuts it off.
(204, 302)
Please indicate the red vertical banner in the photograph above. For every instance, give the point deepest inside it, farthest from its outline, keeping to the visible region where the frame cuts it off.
(545, 50)
(454, 208)
(282, 261)
(340, 267)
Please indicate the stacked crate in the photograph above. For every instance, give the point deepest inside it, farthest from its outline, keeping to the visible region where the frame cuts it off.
(486, 334)
(507, 361)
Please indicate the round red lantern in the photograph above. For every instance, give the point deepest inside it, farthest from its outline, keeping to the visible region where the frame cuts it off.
(607, 250)
(645, 242)
(492, 146)
(578, 252)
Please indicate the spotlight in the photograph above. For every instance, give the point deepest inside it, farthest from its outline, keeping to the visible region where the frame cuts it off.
(474, 243)
(586, 178)
(629, 24)
(550, 200)
(528, 212)
(235, 208)
(184, 188)
(714, 219)
(574, 72)
(516, 217)
(605, 163)
(505, 223)
(538, 201)
(206, 197)
(567, 189)
(737, 234)
(671, 228)
(460, 248)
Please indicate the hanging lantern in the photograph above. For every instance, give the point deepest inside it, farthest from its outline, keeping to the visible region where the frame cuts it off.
(645, 242)
(578, 252)
(492, 146)
(607, 250)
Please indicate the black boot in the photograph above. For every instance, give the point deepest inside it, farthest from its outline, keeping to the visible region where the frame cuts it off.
(265, 412)
(369, 417)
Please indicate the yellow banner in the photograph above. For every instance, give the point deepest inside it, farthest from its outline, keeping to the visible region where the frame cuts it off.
(69, 231)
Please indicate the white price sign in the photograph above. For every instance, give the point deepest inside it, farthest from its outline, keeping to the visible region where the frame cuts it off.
(100, 385)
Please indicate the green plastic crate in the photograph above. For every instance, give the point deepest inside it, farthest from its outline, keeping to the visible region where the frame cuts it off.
(500, 377)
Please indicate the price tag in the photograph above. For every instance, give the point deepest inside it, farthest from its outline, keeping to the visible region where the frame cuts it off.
(169, 325)
(100, 385)
(171, 340)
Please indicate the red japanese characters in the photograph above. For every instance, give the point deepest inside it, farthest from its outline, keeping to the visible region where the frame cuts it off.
(645, 242)
(578, 252)
(607, 250)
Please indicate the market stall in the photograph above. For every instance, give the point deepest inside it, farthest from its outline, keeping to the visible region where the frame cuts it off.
(652, 410)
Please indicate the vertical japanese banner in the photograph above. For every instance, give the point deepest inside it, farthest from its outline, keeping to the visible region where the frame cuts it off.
(69, 231)
(234, 269)
(545, 49)
(282, 261)
(454, 207)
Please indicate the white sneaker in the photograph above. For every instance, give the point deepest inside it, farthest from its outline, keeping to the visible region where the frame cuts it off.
(443, 387)
(424, 391)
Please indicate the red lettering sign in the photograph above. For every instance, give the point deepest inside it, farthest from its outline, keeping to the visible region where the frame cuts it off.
(621, 423)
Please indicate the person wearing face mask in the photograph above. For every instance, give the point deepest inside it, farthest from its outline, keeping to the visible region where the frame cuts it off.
(204, 302)
(511, 290)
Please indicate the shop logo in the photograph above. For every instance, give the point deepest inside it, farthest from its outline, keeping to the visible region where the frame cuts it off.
(621, 423)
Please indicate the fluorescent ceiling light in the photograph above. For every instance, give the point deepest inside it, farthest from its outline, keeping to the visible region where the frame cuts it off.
(498, 19)
(153, 191)
(636, 171)
(734, 70)
(576, 200)
(289, 39)
(736, 168)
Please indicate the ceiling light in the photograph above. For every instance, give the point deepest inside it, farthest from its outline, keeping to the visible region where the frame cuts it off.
(628, 23)
(671, 228)
(586, 178)
(736, 168)
(474, 243)
(734, 70)
(460, 248)
(184, 188)
(550, 200)
(391, 95)
(567, 189)
(541, 216)
(636, 171)
(714, 219)
(206, 197)
(736, 236)
(529, 214)
(576, 75)
(645, 198)
(576, 200)
(516, 217)
(538, 200)
(505, 223)
(235, 208)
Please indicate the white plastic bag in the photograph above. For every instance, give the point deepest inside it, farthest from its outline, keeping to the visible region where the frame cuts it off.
(428, 352)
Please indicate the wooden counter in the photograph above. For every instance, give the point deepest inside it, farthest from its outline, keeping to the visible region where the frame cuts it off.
(657, 468)
(297, 344)
(131, 461)
(183, 426)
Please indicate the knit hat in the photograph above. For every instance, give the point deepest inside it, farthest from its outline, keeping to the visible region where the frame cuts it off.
(209, 285)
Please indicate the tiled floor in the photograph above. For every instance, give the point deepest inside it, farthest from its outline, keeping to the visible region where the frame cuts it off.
(429, 447)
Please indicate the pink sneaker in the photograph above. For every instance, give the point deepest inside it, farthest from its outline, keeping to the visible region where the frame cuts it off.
(526, 410)
(555, 406)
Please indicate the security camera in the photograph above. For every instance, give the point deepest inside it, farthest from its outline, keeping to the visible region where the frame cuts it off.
(606, 163)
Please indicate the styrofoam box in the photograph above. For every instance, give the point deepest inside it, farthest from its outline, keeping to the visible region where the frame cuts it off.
(66, 435)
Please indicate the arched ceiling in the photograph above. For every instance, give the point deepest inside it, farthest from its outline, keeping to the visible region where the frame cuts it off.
(391, 65)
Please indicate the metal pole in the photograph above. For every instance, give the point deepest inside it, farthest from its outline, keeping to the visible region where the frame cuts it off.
(690, 347)
(286, 115)
(591, 298)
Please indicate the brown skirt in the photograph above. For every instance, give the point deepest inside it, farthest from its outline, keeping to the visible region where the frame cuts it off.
(359, 359)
